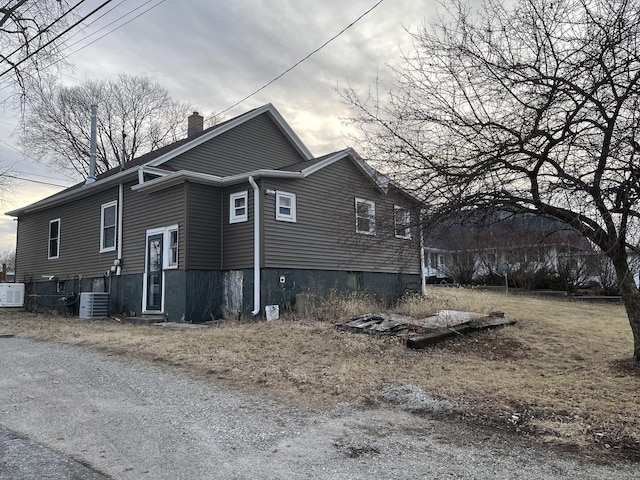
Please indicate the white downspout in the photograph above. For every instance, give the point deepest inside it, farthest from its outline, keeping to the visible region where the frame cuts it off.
(119, 240)
(423, 268)
(256, 246)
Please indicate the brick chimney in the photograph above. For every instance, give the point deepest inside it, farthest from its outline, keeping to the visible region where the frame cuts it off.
(195, 124)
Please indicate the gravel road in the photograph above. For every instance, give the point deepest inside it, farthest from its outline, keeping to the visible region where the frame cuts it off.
(132, 420)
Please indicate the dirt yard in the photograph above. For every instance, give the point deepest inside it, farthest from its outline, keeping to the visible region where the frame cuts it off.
(562, 375)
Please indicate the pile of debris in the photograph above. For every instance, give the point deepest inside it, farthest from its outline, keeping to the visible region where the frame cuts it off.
(426, 331)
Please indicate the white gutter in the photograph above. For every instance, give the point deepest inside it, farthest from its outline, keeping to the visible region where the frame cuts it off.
(120, 209)
(72, 193)
(256, 246)
(180, 176)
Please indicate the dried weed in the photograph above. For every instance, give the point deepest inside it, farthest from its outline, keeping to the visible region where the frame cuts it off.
(562, 373)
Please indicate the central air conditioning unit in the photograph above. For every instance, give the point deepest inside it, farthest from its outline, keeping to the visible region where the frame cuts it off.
(94, 305)
(11, 294)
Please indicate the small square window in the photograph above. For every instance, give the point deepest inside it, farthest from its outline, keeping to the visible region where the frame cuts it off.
(402, 222)
(285, 207)
(238, 207)
(365, 216)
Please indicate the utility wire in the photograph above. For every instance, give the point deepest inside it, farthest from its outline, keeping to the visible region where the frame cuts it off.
(34, 181)
(66, 47)
(109, 32)
(301, 60)
(34, 159)
(48, 177)
(5, 58)
(106, 26)
(13, 67)
(77, 32)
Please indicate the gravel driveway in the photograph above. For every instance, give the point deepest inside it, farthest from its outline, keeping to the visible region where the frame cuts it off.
(131, 420)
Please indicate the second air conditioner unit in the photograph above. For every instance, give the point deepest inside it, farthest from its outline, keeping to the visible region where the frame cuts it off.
(94, 305)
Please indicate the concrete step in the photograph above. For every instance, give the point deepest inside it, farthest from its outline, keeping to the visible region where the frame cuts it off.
(145, 319)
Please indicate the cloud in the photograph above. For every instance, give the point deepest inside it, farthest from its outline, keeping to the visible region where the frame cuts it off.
(213, 53)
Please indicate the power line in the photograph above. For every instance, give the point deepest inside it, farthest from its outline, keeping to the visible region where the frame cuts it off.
(110, 31)
(34, 181)
(43, 31)
(301, 60)
(77, 32)
(66, 47)
(32, 158)
(13, 67)
(105, 26)
(20, 172)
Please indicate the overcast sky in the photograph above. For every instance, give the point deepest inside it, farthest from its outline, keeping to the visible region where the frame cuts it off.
(213, 53)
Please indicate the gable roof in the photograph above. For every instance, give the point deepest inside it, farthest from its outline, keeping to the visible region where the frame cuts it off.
(158, 157)
(154, 161)
(296, 171)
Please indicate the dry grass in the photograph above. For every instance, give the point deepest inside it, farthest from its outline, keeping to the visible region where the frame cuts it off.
(562, 373)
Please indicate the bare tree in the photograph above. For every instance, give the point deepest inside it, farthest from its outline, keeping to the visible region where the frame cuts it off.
(30, 38)
(135, 116)
(460, 264)
(607, 276)
(534, 106)
(576, 264)
(7, 257)
(5, 185)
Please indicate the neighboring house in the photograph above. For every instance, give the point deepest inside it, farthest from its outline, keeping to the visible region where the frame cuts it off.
(480, 247)
(230, 219)
(7, 276)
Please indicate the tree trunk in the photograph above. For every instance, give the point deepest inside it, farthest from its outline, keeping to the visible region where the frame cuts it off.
(631, 298)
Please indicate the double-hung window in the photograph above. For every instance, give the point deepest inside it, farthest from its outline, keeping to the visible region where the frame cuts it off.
(365, 216)
(238, 207)
(172, 247)
(108, 227)
(402, 222)
(54, 238)
(285, 207)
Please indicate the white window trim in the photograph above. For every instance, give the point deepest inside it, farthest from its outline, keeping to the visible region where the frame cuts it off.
(406, 227)
(55, 220)
(165, 261)
(167, 247)
(280, 216)
(233, 218)
(372, 211)
(151, 232)
(115, 224)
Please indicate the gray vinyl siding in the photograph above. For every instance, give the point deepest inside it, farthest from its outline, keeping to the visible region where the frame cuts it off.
(79, 249)
(255, 144)
(147, 211)
(237, 247)
(324, 235)
(204, 233)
